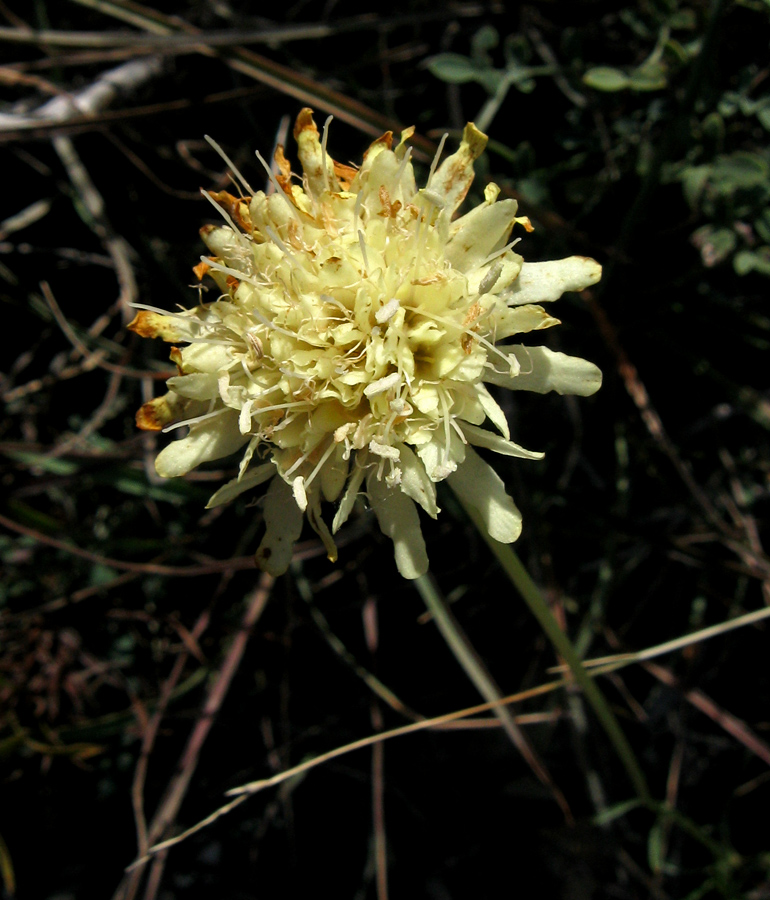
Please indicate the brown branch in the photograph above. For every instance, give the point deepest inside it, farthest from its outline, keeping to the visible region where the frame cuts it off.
(169, 806)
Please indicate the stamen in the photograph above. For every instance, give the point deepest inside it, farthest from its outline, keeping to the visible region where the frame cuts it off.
(402, 167)
(300, 495)
(263, 409)
(446, 418)
(382, 384)
(433, 197)
(327, 453)
(236, 273)
(162, 312)
(279, 243)
(323, 150)
(362, 245)
(233, 168)
(241, 235)
(490, 279)
(357, 208)
(276, 187)
(195, 419)
(385, 313)
(499, 252)
(435, 161)
(384, 450)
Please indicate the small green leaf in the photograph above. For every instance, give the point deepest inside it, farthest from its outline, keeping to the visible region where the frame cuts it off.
(649, 77)
(762, 225)
(454, 68)
(683, 19)
(714, 244)
(740, 170)
(752, 261)
(694, 179)
(604, 78)
(655, 847)
(54, 465)
(713, 129)
(615, 812)
(485, 39)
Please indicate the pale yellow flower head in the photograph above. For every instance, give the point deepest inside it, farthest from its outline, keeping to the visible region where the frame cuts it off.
(347, 353)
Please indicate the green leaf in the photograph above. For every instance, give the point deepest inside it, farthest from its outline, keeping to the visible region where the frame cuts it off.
(604, 78)
(649, 77)
(694, 179)
(740, 170)
(454, 68)
(54, 465)
(615, 812)
(683, 19)
(752, 261)
(655, 847)
(763, 115)
(714, 244)
(762, 225)
(485, 39)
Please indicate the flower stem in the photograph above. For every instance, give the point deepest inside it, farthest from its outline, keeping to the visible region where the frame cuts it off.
(477, 672)
(537, 604)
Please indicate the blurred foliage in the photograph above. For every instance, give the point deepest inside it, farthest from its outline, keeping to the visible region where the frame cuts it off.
(636, 133)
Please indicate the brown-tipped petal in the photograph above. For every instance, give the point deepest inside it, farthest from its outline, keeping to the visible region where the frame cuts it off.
(156, 414)
(345, 174)
(283, 175)
(383, 142)
(455, 174)
(201, 269)
(152, 325)
(318, 171)
(234, 207)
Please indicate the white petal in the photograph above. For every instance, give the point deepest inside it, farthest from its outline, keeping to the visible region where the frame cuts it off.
(480, 487)
(398, 519)
(319, 526)
(198, 386)
(479, 437)
(543, 370)
(349, 497)
(209, 440)
(415, 482)
(283, 519)
(542, 282)
(438, 464)
(485, 229)
(493, 411)
(253, 478)
(455, 174)
(520, 320)
(334, 474)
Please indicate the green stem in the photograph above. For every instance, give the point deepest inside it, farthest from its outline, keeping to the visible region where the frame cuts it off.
(477, 672)
(521, 580)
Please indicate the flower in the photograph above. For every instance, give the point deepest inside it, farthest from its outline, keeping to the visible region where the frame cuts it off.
(356, 328)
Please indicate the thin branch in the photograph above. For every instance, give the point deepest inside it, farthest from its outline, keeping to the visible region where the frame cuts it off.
(169, 806)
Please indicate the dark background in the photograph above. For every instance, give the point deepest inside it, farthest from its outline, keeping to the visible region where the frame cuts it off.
(644, 522)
